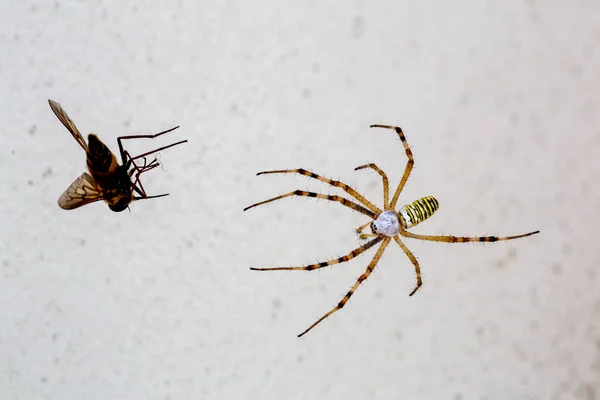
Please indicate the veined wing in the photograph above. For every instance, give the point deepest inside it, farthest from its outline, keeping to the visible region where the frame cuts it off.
(64, 118)
(81, 192)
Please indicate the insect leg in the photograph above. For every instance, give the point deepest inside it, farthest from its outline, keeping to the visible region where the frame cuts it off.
(122, 151)
(139, 172)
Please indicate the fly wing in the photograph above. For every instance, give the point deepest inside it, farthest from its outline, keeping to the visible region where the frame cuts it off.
(64, 118)
(81, 192)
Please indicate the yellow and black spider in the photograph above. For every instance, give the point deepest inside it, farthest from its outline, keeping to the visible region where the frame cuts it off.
(385, 225)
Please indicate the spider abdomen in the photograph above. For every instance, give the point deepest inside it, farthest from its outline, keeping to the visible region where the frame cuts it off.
(418, 211)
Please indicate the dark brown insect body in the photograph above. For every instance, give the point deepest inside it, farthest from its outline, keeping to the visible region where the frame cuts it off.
(109, 180)
(113, 178)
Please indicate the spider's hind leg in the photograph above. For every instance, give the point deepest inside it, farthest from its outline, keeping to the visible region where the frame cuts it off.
(463, 239)
(414, 261)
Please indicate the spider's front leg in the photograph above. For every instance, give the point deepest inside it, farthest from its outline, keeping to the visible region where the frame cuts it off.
(364, 236)
(361, 199)
(312, 267)
(303, 193)
(359, 281)
(409, 164)
(384, 178)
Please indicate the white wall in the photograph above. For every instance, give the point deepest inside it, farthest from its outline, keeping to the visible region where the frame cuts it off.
(498, 101)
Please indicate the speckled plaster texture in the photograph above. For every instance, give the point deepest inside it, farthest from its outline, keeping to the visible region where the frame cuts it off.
(499, 102)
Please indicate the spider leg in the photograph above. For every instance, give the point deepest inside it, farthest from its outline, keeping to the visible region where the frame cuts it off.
(339, 199)
(413, 259)
(360, 280)
(409, 164)
(386, 188)
(362, 227)
(462, 239)
(324, 264)
(364, 236)
(331, 182)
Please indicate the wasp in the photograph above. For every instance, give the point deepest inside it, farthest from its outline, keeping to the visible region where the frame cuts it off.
(116, 184)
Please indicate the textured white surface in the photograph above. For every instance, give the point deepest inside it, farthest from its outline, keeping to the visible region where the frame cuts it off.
(499, 101)
(387, 223)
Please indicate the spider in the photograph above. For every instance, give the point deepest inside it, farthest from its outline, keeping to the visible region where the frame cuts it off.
(386, 225)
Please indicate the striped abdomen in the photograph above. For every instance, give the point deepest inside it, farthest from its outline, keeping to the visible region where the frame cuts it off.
(101, 162)
(418, 211)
